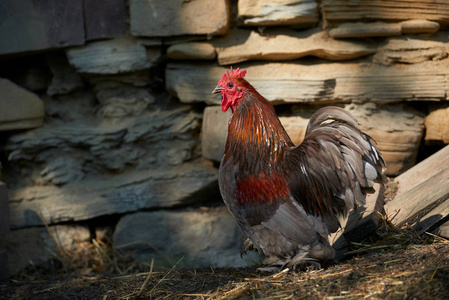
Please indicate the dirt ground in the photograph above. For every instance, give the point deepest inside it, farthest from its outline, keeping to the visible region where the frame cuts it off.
(378, 271)
(390, 264)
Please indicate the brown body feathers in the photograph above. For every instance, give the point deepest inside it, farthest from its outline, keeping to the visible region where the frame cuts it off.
(287, 198)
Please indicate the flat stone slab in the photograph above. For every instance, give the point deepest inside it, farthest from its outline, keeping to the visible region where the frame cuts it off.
(278, 13)
(413, 50)
(95, 196)
(297, 82)
(193, 50)
(125, 54)
(105, 18)
(289, 47)
(382, 29)
(28, 25)
(204, 237)
(19, 108)
(393, 10)
(159, 18)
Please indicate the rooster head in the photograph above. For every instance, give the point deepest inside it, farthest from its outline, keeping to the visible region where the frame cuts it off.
(231, 88)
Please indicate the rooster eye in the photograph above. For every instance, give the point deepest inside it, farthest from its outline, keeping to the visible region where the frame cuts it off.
(230, 85)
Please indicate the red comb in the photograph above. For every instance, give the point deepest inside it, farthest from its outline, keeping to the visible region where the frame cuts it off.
(236, 73)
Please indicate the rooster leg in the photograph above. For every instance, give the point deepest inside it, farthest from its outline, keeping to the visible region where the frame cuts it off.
(245, 246)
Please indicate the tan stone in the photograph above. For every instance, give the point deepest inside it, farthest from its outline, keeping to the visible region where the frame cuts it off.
(193, 50)
(437, 126)
(19, 108)
(392, 10)
(419, 26)
(411, 50)
(279, 12)
(168, 18)
(361, 29)
(289, 47)
(322, 82)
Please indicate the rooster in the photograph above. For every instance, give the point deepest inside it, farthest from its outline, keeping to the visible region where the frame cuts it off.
(287, 198)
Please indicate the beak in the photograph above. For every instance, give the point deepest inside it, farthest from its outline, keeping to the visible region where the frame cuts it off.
(217, 90)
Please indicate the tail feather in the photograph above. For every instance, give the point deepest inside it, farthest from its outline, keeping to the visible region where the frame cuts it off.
(340, 160)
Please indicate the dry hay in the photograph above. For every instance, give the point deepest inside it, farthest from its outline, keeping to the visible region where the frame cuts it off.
(394, 263)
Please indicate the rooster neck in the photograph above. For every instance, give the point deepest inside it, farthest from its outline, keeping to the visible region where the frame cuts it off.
(256, 138)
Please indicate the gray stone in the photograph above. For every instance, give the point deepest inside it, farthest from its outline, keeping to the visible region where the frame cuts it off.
(96, 196)
(105, 18)
(78, 172)
(278, 13)
(29, 72)
(65, 79)
(19, 108)
(4, 210)
(125, 54)
(35, 246)
(4, 231)
(202, 237)
(168, 18)
(43, 25)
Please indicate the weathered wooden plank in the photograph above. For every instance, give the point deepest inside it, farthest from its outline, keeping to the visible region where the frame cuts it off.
(321, 82)
(422, 189)
(423, 171)
(432, 218)
(292, 46)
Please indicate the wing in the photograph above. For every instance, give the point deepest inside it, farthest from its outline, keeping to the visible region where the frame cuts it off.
(334, 167)
(287, 221)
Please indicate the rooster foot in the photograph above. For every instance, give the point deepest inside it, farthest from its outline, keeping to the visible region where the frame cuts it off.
(245, 246)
